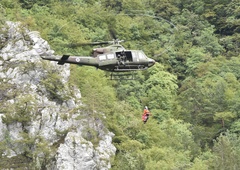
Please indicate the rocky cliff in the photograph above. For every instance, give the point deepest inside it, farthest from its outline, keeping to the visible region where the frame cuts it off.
(42, 125)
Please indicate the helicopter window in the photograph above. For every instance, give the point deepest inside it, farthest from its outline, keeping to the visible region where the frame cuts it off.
(110, 56)
(129, 56)
(134, 55)
(141, 55)
(102, 57)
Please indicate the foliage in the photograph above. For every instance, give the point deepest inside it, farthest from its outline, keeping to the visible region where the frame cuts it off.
(54, 87)
(17, 162)
(35, 150)
(20, 111)
(226, 152)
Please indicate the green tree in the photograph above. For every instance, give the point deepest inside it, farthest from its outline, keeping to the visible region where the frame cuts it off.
(226, 152)
(160, 88)
(209, 98)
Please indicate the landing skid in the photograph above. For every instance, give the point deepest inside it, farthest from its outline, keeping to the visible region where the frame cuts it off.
(122, 76)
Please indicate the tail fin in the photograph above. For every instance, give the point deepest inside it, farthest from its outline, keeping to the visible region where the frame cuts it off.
(63, 59)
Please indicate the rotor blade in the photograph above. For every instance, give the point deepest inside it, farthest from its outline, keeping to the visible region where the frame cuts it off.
(74, 45)
(113, 33)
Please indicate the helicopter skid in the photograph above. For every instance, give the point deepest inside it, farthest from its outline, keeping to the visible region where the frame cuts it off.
(125, 70)
(122, 76)
(131, 68)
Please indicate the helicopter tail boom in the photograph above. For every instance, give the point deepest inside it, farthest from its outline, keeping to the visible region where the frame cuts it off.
(79, 60)
(61, 59)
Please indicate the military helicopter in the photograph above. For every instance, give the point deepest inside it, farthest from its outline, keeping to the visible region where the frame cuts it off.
(113, 58)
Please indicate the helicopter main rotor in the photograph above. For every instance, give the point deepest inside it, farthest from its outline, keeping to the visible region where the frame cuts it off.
(113, 42)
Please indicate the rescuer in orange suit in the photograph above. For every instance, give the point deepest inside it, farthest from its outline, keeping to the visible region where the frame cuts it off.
(145, 115)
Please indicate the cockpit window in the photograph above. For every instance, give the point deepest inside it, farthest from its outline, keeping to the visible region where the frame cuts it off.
(141, 55)
(134, 55)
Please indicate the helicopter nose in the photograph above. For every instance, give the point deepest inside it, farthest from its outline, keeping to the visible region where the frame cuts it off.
(151, 62)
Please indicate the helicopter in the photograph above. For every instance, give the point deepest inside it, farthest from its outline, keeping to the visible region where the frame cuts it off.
(112, 58)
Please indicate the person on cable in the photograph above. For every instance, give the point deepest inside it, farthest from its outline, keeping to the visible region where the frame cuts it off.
(146, 114)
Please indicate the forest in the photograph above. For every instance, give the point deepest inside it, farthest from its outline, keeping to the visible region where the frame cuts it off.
(193, 91)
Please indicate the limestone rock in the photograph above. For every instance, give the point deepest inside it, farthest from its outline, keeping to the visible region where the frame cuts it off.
(34, 123)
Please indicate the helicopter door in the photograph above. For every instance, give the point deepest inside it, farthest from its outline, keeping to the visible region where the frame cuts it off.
(106, 59)
(125, 56)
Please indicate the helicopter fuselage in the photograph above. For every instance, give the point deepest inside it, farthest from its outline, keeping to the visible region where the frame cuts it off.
(121, 61)
(114, 61)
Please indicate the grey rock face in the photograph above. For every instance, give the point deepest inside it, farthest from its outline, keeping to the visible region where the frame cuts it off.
(41, 122)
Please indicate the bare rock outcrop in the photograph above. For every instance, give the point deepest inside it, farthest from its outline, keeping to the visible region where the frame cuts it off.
(41, 122)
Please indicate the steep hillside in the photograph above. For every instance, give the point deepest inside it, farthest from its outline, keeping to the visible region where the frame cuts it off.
(42, 125)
